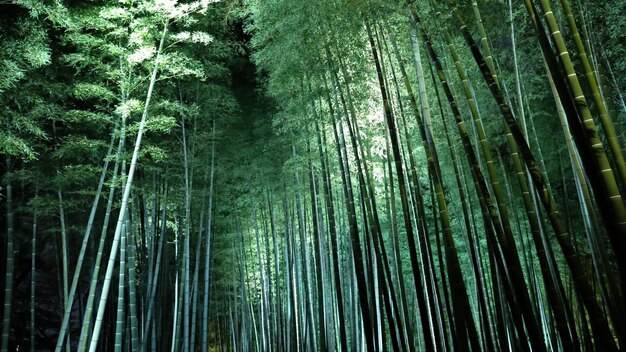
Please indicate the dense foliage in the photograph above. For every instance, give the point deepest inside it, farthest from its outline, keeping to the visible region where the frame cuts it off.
(313, 175)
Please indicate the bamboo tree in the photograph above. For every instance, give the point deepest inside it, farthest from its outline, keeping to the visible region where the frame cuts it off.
(460, 301)
(64, 255)
(546, 197)
(511, 254)
(132, 291)
(85, 328)
(83, 248)
(330, 213)
(127, 189)
(417, 195)
(431, 342)
(357, 254)
(481, 290)
(121, 316)
(552, 283)
(323, 344)
(555, 292)
(589, 219)
(10, 261)
(278, 304)
(207, 257)
(186, 256)
(594, 86)
(379, 257)
(33, 270)
(583, 130)
(489, 211)
(305, 267)
(157, 270)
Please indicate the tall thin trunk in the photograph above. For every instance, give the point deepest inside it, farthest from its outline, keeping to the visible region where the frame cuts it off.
(587, 140)
(593, 84)
(132, 286)
(330, 213)
(85, 243)
(64, 256)
(33, 270)
(463, 321)
(10, 261)
(186, 259)
(157, 269)
(317, 254)
(87, 317)
(121, 316)
(207, 248)
(355, 240)
(546, 197)
(432, 340)
(129, 181)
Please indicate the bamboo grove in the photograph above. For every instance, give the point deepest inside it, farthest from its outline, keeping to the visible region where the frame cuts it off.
(329, 175)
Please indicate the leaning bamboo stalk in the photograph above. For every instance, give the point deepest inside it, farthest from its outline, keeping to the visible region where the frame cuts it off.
(551, 282)
(357, 253)
(482, 291)
(489, 211)
(431, 334)
(605, 119)
(380, 262)
(186, 258)
(607, 189)
(84, 334)
(539, 181)
(64, 255)
(330, 213)
(607, 285)
(465, 325)
(83, 248)
(129, 181)
(554, 287)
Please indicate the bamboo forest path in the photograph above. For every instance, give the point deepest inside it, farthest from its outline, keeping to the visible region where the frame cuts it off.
(331, 175)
